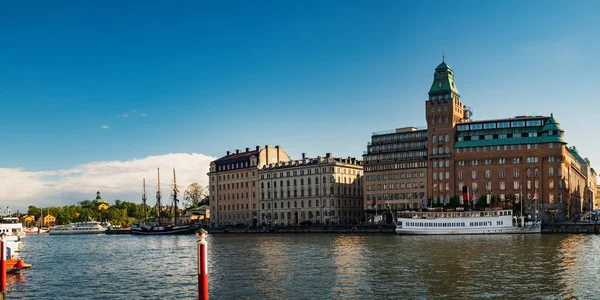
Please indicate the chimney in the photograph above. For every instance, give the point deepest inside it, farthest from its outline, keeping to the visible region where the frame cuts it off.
(257, 148)
(303, 155)
(277, 147)
(228, 153)
(237, 151)
(267, 153)
(328, 154)
(247, 149)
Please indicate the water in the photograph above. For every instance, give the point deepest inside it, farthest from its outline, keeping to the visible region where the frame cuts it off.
(312, 266)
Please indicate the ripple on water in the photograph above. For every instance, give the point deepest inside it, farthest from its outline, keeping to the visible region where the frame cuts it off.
(318, 266)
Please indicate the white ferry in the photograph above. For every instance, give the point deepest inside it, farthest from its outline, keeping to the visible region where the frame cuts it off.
(79, 228)
(463, 222)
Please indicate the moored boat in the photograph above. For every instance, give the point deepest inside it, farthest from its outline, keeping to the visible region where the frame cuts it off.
(79, 228)
(463, 222)
(160, 227)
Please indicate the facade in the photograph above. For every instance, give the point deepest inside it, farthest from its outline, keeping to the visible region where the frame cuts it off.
(519, 158)
(395, 165)
(321, 190)
(233, 184)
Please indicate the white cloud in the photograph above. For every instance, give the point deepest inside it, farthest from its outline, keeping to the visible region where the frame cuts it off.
(20, 188)
(125, 115)
(105, 127)
(143, 114)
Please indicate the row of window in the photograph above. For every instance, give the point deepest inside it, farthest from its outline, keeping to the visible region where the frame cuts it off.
(499, 148)
(395, 176)
(400, 137)
(235, 166)
(401, 155)
(513, 124)
(400, 146)
(345, 191)
(502, 174)
(399, 166)
(529, 185)
(396, 186)
(326, 203)
(301, 216)
(234, 176)
(396, 196)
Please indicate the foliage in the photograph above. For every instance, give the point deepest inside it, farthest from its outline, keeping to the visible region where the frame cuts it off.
(195, 195)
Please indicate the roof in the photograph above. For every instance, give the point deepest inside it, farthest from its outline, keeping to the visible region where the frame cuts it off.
(236, 156)
(516, 118)
(443, 80)
(511, 141)
(551, 124)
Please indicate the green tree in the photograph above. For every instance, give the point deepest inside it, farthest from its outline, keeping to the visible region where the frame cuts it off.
(195, 195)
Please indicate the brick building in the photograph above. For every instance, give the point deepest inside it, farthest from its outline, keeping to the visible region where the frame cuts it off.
(486, 160)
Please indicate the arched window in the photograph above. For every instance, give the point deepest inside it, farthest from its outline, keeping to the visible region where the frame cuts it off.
(317, 203)
(288, 182)
(317, 180)
(294, 182)
(301, 181)
(268, 185)
(288, 192)
(536, 172)
(302, 203)
(324, 179)
(551, 171)
(309, 203)
(435, 139)
(332, 191)
(308, 180)
(434, 150)
(288, 204)
(446, 138)
(295, 193)
(528, 173)
(282, 216)
(309, 191)
(295, 203)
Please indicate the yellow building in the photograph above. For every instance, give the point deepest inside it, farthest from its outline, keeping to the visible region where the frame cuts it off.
(102, 206)
(28, 220)
(48, 221)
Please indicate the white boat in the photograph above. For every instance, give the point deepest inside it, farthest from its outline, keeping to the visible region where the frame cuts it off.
(463, 222)
(12, 226)
(79, 228)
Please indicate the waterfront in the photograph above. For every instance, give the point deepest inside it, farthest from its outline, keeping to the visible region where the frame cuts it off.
(310, 266)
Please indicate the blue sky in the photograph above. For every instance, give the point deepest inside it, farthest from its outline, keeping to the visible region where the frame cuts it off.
(311, 76)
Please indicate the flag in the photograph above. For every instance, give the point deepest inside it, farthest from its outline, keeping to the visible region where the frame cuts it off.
(465, 190)
(423, 201)
(374, 201)
(535, 195)
(447, 200)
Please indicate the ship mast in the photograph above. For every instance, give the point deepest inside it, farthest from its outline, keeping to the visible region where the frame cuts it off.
(175, 191)
(158, 196)
(144, 201)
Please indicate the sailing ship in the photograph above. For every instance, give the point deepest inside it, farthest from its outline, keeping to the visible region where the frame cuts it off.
(161, 227)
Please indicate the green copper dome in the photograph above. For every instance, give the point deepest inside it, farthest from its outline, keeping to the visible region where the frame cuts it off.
(552, 125)
(443, 82)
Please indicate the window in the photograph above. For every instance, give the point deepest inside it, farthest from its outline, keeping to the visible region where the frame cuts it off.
(488, 174)
(516, 173)
(516, 185)
(502, 186)
(551, 171)
(501, 175)
(474, 174)
(536, 172)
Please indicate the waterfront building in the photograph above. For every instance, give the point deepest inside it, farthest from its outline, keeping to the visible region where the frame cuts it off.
(395, 165)
(233, 184)
(321, 190)
(522, 158)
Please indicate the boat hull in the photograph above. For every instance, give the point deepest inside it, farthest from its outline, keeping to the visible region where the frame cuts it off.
(75, 232)
(162, 231)
(499, 230)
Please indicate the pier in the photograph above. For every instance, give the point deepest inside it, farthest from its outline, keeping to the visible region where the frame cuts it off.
(374, 229)
(575, 228)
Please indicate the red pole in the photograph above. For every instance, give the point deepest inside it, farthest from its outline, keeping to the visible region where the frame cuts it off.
(202, 265)
(2, 268)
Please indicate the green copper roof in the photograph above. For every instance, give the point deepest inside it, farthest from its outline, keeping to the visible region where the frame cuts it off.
(443, 81)
(551, 124)
(511, 141)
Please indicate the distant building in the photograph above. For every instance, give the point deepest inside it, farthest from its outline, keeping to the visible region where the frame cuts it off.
(29, 220)
(199, 215)
(321, 190)
(233, 184)
(48, 221)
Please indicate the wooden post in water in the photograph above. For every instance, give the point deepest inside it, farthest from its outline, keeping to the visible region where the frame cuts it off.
(202, 265)
(2, 267)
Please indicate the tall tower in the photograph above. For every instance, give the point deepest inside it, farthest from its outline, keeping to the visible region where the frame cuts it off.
(443, 111)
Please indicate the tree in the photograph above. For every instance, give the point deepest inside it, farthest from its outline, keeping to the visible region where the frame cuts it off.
(195, 195)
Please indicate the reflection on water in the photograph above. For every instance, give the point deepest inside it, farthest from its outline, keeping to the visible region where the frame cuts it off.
(315, 266)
